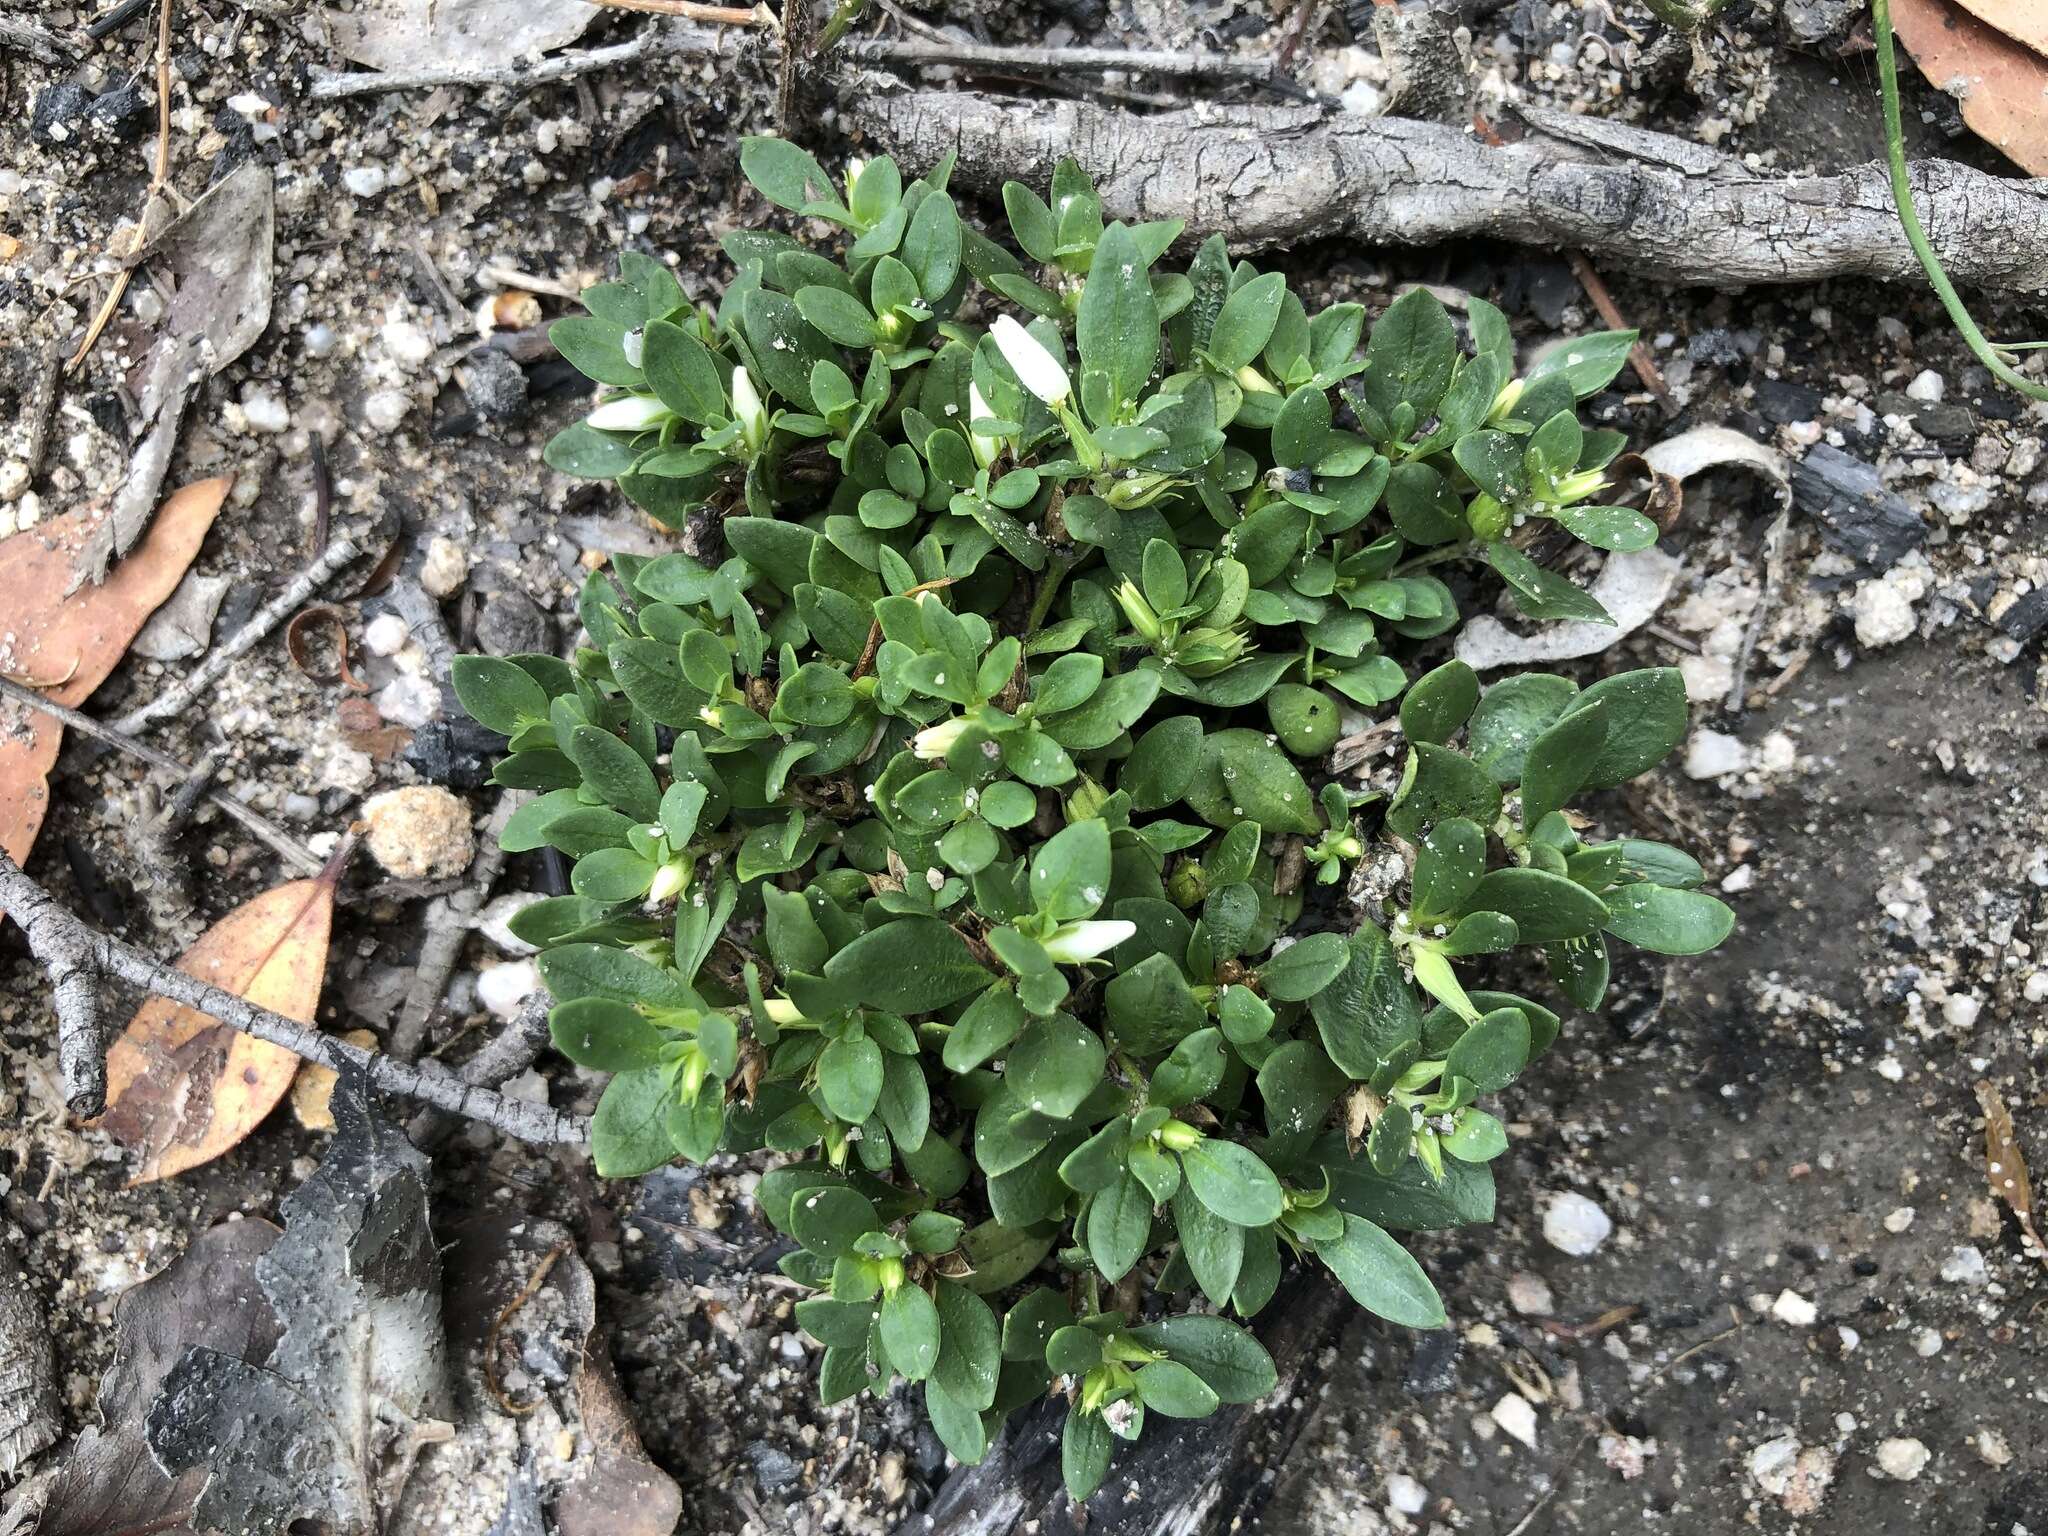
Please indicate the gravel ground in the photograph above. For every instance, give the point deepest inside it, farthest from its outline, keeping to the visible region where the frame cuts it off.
(1784, 1136)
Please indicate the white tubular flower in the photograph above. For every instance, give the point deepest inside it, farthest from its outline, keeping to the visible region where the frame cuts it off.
(1072, 943)
(669, 881)
(935, 741)
(629, 413)
(853, 169)
(748, 410)
(1036, 368)
(985, 448)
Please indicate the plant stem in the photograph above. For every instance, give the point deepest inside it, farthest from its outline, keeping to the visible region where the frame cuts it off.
(1909, 220)
(1441, 555)
(1056, 569)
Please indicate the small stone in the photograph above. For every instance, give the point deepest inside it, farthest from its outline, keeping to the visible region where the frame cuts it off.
(14, 479)
(1992, 1448)
(1433, 1367)
(313, 1088)
(386, 634)
(58, 113)
(1927, 1343)
(445, 568)
(321, 340)
(1528, 1295)
(1928, 386)
(420, 832)
(502, 988)
(406, 343)
(1516, 1418)
(302, 807)
(365, 180)
(1715, 755)
(1901, 1459)
(1883, 609)
(1405, 1496)
(1960, 1010)
(410, 700)
(513, 624)
(1965, 1266)
(495, 386)
(384, 409)
(1794, 1310)
(774, 1468)
(1771, 1463)
(1575, 1225)
(264, 411)
(1898, 1219)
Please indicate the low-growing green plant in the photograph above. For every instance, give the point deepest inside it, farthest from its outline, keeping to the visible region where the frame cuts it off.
(959, 828)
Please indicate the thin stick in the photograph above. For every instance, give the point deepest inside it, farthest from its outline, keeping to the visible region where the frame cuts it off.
(505, 1315)
(911, 52)
(1638, 355)
(158, 180)
(689, 10)
(67, 947)
(251, 634)
(280, 841)
(562, 66)
(505, 1055)
(1909, 217)
(39, 43)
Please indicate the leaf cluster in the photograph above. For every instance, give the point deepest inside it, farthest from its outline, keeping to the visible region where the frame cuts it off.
(953, 831)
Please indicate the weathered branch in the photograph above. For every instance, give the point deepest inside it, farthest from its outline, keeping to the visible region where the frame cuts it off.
(29, 1422)
(281, 842)
(246, 639)
(68, 947)
(448, 923)
(505, 1055)
(1661, 206)
(1198, 1477)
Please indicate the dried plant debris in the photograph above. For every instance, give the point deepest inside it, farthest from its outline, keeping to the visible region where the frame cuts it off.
(206, 1299)
(183, 1087)
(2006, 1167)
(329, 1426)
(409, 34)
(1992, 56)
(28, 1368)
(66, 644)
(218, 256)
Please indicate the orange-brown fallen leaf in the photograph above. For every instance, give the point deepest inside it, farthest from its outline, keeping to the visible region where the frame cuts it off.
(2024, 21)
(182, 1088)
(2006, 1167)
(2000, 82)
(66, 645)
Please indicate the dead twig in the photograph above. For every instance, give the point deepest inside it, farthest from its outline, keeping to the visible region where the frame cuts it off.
(39, 43)
(281, 842)
(159, 179)
(505, 1055)
(1611, 316)
(691, 10)
(210, 671)
(914, 53)
(41, 409)
(77, 956)
(1666, 207)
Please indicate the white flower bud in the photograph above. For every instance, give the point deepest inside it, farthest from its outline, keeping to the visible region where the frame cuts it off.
(629, 413)
(1072, 943)
(935, 741)
(748, 410)
(1036, 368)
(985, 448)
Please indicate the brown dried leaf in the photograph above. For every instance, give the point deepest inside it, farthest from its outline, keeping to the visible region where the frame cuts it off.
(68, 644)
(183, 1088)
(2024, 21)
(2006, 1166)
(2001, 83)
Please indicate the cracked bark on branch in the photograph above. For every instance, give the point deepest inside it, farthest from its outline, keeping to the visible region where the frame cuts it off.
(1665, 207)
(78, 955)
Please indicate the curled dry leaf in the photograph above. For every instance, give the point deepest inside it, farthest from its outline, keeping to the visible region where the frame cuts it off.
(67, 644)
(2006, 1167)
(299, 646)
(183, 1088)
(1989, 63)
